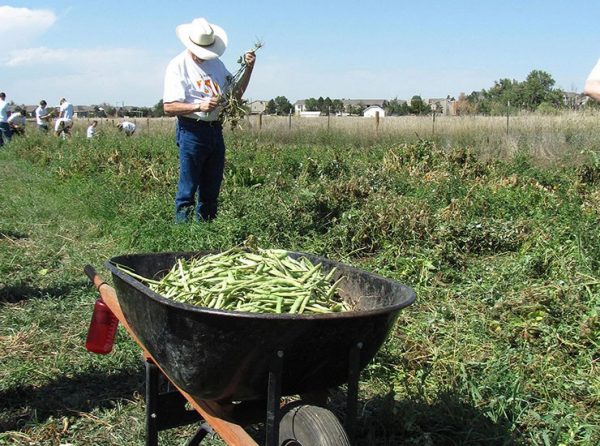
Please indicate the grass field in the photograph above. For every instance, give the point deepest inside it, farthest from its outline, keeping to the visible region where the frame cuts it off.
(498, 235)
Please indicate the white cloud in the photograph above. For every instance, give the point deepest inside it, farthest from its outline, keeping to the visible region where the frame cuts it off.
(85, 76)
(21, 25)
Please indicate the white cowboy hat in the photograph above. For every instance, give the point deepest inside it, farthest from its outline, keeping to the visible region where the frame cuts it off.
(205, 40)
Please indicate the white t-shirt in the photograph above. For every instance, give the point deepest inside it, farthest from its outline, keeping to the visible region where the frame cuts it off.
(186, 81)
(128, 127)
(39, 114)
(67, 108)
(3, 111)
(91, 131)
(17, 119)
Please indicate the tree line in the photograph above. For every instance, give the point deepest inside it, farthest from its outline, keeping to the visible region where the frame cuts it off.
(536, 93)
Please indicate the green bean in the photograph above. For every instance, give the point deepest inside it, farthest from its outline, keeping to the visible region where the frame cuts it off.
(257, 280)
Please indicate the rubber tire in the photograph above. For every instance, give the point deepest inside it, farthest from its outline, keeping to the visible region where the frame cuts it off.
(306, 425)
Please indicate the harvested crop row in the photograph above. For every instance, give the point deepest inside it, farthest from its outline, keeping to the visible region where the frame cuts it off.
(257, 281)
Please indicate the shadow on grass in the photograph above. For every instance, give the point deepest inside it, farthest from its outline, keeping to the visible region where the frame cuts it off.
(12, 235)
(67, 396)
(24, 291)
(449, 420)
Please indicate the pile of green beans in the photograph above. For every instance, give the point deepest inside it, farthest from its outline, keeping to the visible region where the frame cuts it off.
(257, 281)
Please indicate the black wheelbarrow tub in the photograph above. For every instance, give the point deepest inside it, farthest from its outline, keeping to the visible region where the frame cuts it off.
(225, 355)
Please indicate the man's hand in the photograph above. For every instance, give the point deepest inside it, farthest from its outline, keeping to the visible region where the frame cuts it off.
(208, 106)
(250, 58)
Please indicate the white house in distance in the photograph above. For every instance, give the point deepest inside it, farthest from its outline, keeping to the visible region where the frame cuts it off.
(257, 107)
(300, 106)
(373, 111)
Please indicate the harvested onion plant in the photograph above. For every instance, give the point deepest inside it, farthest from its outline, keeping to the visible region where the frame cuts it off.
(233, 107)
(254, 281)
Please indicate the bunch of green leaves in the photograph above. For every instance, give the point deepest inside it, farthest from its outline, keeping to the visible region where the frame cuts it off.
(233, 107)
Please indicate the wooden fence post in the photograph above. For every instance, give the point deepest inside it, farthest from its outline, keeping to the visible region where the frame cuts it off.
(507, 116)
(377, 121)
(290, 121)
(260, 121)
(433, 124)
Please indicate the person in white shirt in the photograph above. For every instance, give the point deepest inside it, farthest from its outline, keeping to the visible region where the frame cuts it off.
(63, 124)
(17, 122)
(91, 130)
(5, 132)
(127, 127)
(592, 83)
(42, 116)
(194, 82)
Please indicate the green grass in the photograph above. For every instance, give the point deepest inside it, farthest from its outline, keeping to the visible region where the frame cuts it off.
(501, 346)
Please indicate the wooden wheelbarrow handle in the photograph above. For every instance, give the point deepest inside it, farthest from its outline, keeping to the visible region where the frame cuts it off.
(211, 412)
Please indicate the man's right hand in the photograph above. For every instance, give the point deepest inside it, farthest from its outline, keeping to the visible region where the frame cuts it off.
(208, 106)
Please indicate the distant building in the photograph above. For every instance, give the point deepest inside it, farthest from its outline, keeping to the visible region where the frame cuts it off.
(362, 104)
(373, 110)
(309, 114)
(574, 100)
(444, 106)
(257, 107)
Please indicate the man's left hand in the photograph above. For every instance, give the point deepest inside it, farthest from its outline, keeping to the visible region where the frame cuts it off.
(250, 58)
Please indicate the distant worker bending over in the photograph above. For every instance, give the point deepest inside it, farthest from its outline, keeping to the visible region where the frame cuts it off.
(127, 127)
(63, 124)
(17, 122)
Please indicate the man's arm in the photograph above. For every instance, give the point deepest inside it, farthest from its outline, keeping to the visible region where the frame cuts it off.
(592, 84)
(240, 88)
(592, 89)
(184, 108)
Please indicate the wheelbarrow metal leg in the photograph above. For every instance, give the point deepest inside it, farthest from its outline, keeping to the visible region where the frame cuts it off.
(352, 396)
(152, 376)
(202, 432)
(274, 400)
(167, 409)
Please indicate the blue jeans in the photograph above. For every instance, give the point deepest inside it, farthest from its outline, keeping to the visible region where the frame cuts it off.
(201, 164)
(5, 133)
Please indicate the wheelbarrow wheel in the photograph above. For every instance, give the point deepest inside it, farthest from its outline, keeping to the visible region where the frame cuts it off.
(306, 425)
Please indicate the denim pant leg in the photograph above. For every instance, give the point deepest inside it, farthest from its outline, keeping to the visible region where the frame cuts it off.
(211, 177)
(5, 133)
(201, 162)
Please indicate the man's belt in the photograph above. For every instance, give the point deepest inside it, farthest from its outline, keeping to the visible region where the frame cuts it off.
(200, 122)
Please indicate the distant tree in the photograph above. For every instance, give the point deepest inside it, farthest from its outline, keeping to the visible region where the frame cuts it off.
(337, 106)
(396, 107)
(538, 88)
(418, 106)
(465, 106)
(311, 104)
(321, 104)
(158, 110)
(282, 105)
(271, 107)
(355, 109)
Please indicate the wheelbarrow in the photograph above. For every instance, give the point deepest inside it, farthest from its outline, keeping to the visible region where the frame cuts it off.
(233, 368)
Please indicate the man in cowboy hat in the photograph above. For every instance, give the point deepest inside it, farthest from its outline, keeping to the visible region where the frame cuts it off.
(194, 81)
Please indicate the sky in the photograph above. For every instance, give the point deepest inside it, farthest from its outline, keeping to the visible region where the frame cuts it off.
(116, 52)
